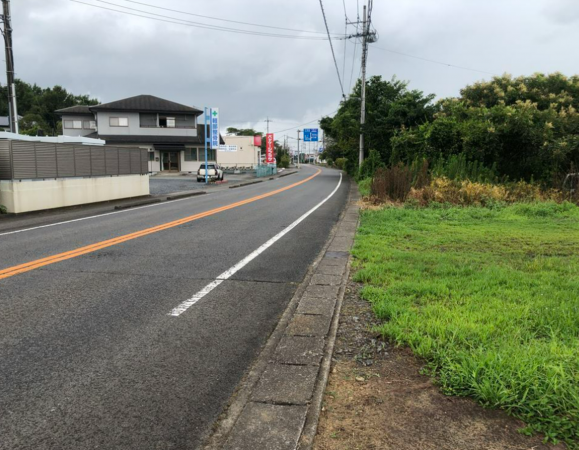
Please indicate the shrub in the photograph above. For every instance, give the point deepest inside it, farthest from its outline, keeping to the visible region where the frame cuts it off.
(392, 183)
(370, 165)
(284, 161)
(341, 163)
(444, 190)
(364, 186)
(3, 209)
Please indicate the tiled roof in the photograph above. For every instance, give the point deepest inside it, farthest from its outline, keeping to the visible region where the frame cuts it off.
(146, 103)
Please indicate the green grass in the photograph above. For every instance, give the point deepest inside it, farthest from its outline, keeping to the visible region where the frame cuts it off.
(490, 297)
(364, 186)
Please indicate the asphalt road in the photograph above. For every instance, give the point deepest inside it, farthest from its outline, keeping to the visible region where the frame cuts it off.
(89, 355)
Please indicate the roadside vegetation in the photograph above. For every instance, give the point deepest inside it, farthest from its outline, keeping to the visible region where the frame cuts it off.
(489, 297)
(469, 241)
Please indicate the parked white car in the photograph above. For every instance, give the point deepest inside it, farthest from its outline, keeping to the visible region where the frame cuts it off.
(214, 172)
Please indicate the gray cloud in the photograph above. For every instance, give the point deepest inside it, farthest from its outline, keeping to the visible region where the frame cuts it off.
(112, 55)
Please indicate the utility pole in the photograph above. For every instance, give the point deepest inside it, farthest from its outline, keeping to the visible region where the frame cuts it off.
(363, 94)
(11, 87)
(367, 37)
(298, 162)
(268, 121)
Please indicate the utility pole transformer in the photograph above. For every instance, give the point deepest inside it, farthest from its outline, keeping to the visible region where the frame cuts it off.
(11, 87)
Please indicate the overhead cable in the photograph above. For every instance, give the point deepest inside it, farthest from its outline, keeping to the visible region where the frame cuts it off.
(306, 123)
(433, 61)
(332, 48)
(223, 20)
(200, 25)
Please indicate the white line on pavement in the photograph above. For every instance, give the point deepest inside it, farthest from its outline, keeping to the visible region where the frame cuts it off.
(232, 270)
(96, 216)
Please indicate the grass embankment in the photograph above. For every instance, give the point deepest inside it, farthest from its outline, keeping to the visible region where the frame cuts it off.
(490, 297)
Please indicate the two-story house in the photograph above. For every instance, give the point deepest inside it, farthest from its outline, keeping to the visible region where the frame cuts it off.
(173, 133)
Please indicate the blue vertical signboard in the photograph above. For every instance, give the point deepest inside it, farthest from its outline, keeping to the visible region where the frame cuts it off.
(310, 135)
(214, 128)
(211, 134)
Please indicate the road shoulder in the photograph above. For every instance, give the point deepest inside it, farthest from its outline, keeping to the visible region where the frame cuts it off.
(277, 405)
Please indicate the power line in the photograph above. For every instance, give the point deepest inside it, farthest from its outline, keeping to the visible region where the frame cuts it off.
(434, 61)
(224, 20)
(332, 48)
(204, 26)
(345, 40)
(306, 123)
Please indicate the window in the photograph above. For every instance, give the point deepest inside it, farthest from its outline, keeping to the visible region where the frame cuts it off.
(185, 121)
(119, 121)
(166, 122)
(89, 125)
(77, 124)
(191, 154)
(68, 124)
(210, 154)
(151, 156)
(148, 120)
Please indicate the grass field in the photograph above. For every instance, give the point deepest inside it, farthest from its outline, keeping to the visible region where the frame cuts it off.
(490, 297)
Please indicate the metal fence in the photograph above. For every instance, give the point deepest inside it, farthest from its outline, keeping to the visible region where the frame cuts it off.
(265, 171)
(37, 160)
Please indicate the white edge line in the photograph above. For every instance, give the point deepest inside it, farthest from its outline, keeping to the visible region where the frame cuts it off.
(96, 216)
(184, 306)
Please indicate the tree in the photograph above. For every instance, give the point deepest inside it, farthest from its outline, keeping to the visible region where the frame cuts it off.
(390, 107)
(243, 132)
(38, 104)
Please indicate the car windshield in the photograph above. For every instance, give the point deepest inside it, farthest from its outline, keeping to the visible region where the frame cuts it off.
(210, 166)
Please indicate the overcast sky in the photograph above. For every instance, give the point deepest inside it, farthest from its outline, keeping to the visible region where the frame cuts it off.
(111, 55)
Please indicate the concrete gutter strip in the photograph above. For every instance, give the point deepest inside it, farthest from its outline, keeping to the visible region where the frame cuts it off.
(285, 174)
(277, 406)
(141, 203)
(185, 195)
(245, 184)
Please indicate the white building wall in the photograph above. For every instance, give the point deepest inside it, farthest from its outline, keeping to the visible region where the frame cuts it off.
(134, 128)
(76, 131)
(246, 155)
(36, 195)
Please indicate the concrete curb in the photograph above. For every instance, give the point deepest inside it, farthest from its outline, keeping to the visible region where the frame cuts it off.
(278, 404)
(245, 184)
(284, 174)
(188, 194)
(136, 204)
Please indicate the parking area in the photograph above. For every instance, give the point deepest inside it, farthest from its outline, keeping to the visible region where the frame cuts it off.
(169, 184)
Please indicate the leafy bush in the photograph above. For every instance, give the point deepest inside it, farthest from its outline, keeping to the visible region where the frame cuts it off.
(370, 165)
(364, 186)
(341, 163)
(284, 161)
(3, 209)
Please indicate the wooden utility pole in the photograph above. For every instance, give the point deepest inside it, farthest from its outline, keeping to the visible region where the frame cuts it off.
(11, 87)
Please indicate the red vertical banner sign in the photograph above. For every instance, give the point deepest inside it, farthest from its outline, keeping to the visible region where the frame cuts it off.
(269, 149)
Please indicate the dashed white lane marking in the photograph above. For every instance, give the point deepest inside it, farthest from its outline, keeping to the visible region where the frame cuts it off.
(232, 270)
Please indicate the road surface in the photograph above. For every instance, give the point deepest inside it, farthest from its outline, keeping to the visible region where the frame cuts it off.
(131, 330)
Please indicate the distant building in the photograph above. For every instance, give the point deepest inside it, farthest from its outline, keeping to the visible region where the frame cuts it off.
(172, 133)
(5, 122)
(238, 152)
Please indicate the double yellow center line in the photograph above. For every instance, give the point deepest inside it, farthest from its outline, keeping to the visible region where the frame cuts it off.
(27, 267)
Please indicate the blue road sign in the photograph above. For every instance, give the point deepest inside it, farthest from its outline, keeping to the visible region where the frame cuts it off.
(310, 135)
